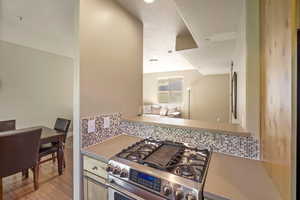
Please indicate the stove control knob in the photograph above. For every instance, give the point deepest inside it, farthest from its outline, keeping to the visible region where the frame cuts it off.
(167, 190)
(109, 168)
(124, 173)
(116, 170)
(190, 197)
(178, 195)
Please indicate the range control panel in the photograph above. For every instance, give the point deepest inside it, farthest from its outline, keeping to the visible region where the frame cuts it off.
(145, 180)
(163, 187)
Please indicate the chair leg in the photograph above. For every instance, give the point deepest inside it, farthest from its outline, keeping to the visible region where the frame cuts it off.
(64, 162)
(53, 158)
(36, 170)
(25, 173)
(1, 189)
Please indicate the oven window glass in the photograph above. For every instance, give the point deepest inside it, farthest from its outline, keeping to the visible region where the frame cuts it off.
(118, 196)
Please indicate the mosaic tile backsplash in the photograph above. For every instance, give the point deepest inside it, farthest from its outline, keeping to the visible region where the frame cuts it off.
(241, 146)
(101, 133)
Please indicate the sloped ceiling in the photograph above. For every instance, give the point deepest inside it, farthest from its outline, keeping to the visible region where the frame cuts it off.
(213, 24)
(162, 24)
(47, 25)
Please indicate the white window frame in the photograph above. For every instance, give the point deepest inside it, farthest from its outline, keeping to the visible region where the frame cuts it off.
(169, 91)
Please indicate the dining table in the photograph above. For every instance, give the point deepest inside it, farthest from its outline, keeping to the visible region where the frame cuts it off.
(48, 135)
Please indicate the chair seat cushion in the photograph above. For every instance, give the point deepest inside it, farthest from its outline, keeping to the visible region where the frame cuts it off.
(47, 149)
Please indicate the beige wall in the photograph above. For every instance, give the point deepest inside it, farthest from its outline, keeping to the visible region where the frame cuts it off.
(253, 68)
(36, 87)
(110, 59)
(209, 94)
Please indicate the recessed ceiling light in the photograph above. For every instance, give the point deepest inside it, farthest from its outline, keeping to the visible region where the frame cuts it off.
(20, 18)
(153, 60)
(149, 1)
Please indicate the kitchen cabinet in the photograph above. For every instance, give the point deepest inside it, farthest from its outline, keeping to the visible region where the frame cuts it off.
(94, 190)
(94, 179)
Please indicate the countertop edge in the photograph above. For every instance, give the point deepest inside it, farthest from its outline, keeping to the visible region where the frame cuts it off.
(214, 197)
(95, 156)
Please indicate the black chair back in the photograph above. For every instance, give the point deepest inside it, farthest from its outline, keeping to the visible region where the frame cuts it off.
(62, 125)
(19, 150)
(7, 125)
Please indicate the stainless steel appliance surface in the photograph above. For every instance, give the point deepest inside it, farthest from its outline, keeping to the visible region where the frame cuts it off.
(158, 170)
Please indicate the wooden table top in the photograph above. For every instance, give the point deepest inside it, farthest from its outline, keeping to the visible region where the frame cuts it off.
(48, 132)
(47, 135)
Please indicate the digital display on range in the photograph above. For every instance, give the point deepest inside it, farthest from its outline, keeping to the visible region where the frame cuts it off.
(145, 180)
(146, 176)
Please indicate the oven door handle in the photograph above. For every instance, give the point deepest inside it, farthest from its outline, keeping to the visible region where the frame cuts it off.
(118, 188)
(131, 190)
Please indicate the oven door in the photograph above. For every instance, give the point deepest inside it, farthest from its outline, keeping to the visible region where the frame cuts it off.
(117, 195)
(121, 190)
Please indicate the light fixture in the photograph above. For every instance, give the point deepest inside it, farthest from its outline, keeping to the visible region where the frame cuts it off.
(153, 60)
(149, 1)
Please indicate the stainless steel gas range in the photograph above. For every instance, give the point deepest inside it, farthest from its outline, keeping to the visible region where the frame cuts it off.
(158, 170)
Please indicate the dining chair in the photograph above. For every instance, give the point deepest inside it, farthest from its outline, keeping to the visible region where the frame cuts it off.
(7, 125)
(61, 125)
(19, 151)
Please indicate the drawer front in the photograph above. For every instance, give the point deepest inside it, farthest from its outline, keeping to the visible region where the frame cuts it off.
(94, 166)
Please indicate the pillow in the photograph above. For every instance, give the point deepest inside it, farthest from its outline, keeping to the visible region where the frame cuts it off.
(174, 114)
(155, 109)
(173, 109)
(147, 109)
(164, 111)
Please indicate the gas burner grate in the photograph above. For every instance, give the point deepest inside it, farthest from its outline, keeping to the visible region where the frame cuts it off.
(172, 157)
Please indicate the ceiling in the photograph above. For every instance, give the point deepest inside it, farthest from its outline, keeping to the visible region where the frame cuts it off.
(47, 25)
(213, 24)
(161, 26)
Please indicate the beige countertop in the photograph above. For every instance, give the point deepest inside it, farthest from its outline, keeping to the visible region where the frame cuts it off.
(110, 147)
(237, 178)
(226, 128)
(229, 178)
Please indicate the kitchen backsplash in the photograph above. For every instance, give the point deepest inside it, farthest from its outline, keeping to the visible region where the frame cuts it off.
(241, 146)
(101, 133)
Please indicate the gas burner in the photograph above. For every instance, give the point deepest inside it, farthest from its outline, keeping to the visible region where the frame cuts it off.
(136, 156)
(148, 147)
(185, 171)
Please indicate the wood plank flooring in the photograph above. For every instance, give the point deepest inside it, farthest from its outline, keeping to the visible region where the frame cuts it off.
(52, 186)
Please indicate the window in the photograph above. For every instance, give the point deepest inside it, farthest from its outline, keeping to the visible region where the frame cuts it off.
(170, 90)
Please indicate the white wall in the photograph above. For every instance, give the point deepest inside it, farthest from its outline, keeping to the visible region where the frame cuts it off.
(111, 65)
(209, 94)
(247, 65)
(239, 66)
(36, 87)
